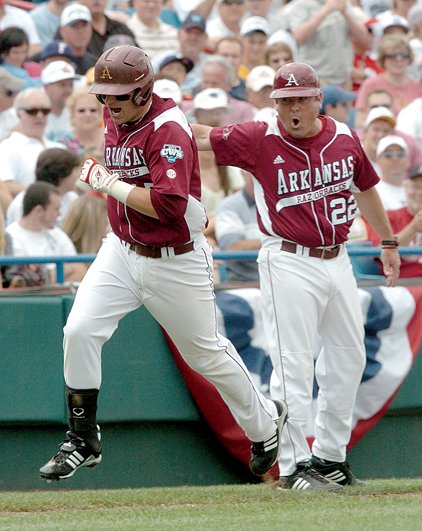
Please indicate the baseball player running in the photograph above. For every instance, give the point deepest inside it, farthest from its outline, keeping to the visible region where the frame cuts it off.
(155, 256)
(310, 174)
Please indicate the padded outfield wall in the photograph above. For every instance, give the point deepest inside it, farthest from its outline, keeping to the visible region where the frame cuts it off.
(153, 433)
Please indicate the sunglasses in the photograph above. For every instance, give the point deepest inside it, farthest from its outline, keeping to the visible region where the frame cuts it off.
(35, 111)
(398, 55)
(233, 2)
(123, 97)
(391, 154)
(10, 93)
(91, 110)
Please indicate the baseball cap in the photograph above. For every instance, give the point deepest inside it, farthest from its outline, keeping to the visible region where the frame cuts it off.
(210, 98)
(74, 13)
(58, 71)
(393, 20)
(177, 58)
(415, 171)
(118, 39)
(9, 81)
(255, 23)
(333, 94)
(391, 140)
(194, 20)
(259, 77)
(167, 88)
(57, 48)
(380, 113)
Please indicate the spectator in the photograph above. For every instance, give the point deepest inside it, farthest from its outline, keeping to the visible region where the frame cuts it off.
(14, 52)
(87, 135)
(236, 229)
(395, 56)
(325, 33)
(36, 234)
(86, 223)
(406, 223)
(175, 66)
(365, 64)
(218, 73)
(46, 17)
(409, 120)
(19, 152)
(55, 51)
(393, 161)
(210, 106)
(254, 32)
(227, 20)
(58, 79)
(415, 41)
(259, 84)
(192, 40)
(76, 31)
(58, 167)
(381, 122)
(13, 16)
(262, 8)
(9, 87)
(103, 26)
(119, 39)
(337, 103)
(231, 48)
(277, 54)
(151, 34)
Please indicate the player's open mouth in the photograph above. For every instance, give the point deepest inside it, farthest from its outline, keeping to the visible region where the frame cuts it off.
(295, 122)
(114, 111)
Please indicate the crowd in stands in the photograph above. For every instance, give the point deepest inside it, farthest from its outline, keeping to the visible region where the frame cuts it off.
(217, 60)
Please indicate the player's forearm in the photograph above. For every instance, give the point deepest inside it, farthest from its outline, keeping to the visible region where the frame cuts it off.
(140, 199)
(245, 245)
(371, 207)
(202, 136)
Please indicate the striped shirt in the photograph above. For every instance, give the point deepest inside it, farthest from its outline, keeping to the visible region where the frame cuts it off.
(153, 41)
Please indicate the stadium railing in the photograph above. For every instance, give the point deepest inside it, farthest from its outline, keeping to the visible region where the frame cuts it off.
(361, 257)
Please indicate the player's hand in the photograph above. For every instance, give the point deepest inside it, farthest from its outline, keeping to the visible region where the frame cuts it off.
(97, 176)
(390, 259)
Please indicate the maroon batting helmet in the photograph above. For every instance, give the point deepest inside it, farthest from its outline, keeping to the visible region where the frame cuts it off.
(121, 70)
(295, 80)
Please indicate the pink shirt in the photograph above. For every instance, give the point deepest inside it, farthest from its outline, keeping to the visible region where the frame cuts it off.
(305, 186)
(401, 95)
(159, 153)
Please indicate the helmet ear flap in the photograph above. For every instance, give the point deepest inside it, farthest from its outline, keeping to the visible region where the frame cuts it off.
(139, 99)
(100, 98)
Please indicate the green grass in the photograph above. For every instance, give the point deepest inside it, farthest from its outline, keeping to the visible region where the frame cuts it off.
(379, 505)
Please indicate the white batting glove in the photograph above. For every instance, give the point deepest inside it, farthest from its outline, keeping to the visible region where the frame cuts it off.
(101, 179)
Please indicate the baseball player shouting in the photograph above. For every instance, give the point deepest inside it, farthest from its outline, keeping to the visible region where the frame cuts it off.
(310, 174)
(155, 255)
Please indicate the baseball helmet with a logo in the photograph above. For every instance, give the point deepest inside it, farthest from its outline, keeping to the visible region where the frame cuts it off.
(121, 70)
(295, 80)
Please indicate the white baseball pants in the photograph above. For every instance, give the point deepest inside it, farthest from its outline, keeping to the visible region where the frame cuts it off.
(308, 301)
(178, 292)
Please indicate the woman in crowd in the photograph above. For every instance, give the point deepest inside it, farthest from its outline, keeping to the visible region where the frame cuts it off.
(87, 135)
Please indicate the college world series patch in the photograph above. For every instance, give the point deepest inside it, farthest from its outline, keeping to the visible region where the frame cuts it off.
(171, 152)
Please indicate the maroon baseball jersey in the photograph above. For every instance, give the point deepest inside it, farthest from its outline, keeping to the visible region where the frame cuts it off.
(159, 153)
(304, 186)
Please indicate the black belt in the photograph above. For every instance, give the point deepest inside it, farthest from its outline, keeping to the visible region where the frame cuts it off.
(315, 252)
(159, 252)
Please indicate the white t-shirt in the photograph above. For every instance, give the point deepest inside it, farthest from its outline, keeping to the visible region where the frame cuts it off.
(393, 197)
(14, 210)
(21, 19)
(19, 154)
(49, 242)
(8, 121)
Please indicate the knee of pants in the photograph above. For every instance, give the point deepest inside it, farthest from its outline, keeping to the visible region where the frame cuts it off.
(81, 332)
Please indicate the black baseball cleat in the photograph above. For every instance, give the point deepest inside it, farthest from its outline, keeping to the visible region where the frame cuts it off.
(305, 477)
(338, 472)
(264, 454)
(74, 453)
